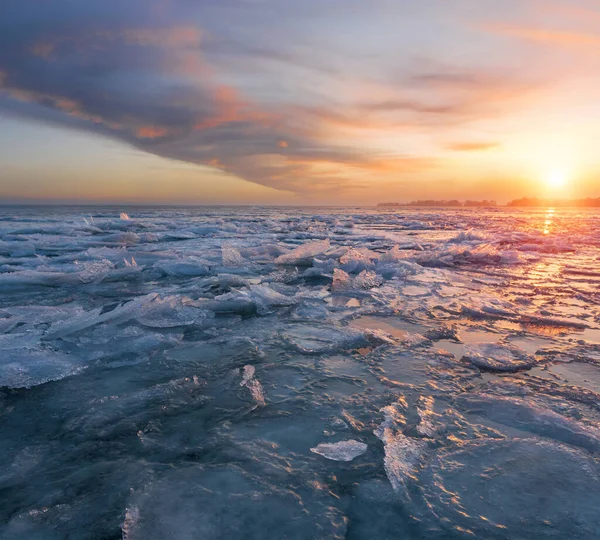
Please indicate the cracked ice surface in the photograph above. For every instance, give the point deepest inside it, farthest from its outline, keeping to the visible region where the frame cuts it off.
(171, 373)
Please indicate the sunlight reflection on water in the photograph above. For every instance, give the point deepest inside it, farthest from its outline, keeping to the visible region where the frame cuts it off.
(549, 220)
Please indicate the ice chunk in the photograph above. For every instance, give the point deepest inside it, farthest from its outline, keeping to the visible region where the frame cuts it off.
(355, 261)
(461, 254)
(325, 268)
(20, 249)
(104, 253)
(256, 389)
(267, 298)
(122, 238)
(25, 279)
(130, 272)
(340, 451)
(238, 302)
(393, 255)
(95, 272)
(494, 357)
(231, 256)
(320, 339)
(430, 424)
(403, 457)
(221, 283)
(367, 280)
(190, 267)
(170, 312)
(19, 341)
(469, 236)
(341, 281)
(132, 516)
(247, 374)
(303, 255)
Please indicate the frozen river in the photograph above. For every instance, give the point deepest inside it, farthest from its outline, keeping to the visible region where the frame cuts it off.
(281, 373)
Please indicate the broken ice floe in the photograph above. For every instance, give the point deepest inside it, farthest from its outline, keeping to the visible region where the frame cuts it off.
(527, 416)
(519, 488)
(340, 451)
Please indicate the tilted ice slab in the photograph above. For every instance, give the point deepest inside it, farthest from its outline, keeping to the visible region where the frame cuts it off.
(260, 299)
(403, 458)
(82, 273)
(403, 455)
(119, 314)
(304, 254)
(267, 298)
(340, 451)
(34, 278)
(34, 316)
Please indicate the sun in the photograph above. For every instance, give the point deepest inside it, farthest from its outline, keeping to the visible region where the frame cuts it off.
(557, 179)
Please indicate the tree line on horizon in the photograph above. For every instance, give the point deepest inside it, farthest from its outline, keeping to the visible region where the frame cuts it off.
(527, 202)
(589, 202)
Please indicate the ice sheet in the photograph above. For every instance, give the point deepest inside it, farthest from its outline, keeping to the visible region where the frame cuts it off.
(299, 373)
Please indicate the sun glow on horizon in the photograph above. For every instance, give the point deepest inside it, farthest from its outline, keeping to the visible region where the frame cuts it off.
(557, 179)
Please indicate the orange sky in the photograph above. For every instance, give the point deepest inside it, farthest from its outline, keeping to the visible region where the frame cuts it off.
(275, 103)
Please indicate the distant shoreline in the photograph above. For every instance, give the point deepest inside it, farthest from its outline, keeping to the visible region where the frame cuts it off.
(440, 204)
(525, 202)
(517, 203)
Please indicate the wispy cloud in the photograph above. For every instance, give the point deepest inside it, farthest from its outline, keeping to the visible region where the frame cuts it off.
(473, 146)
(547, 36)
(294, 96)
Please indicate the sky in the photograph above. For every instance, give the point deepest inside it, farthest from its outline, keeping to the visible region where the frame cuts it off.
(298, 102)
